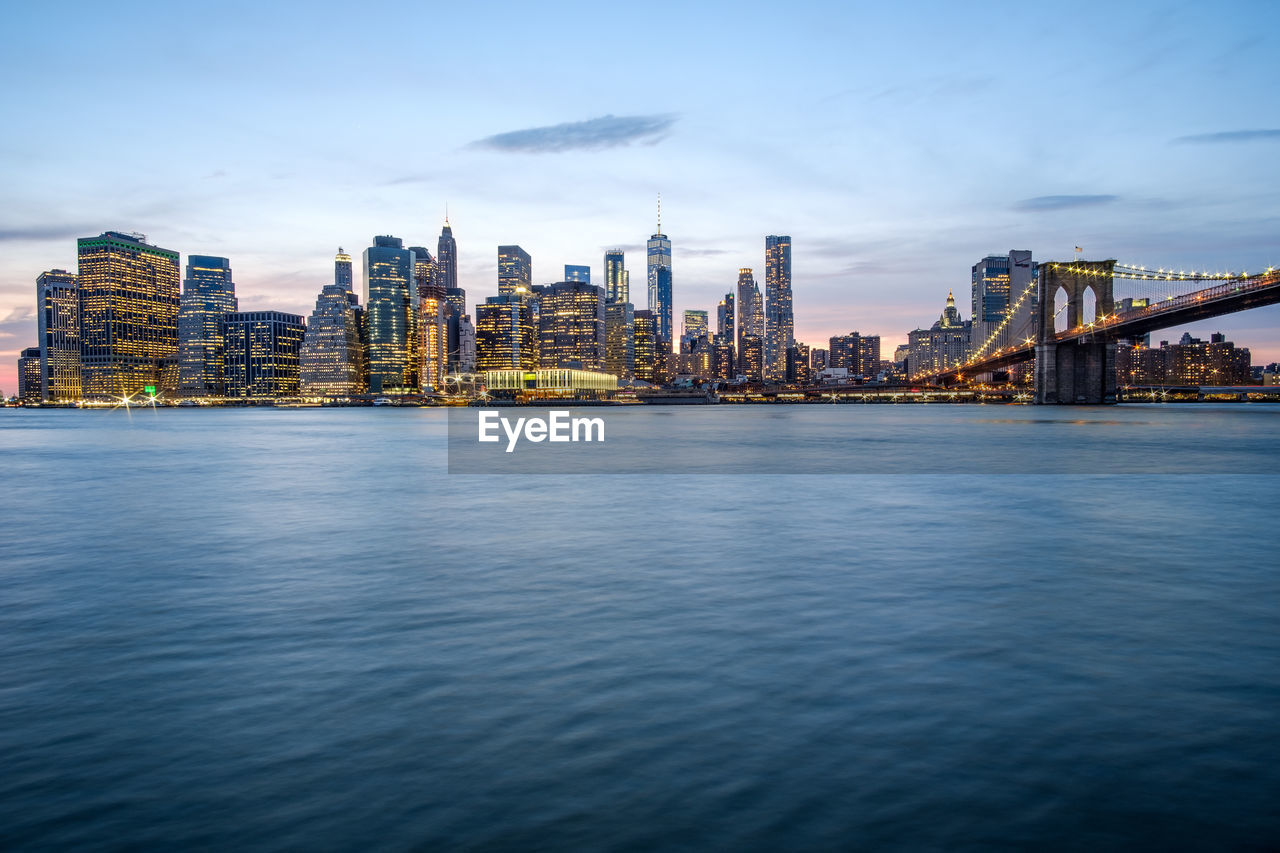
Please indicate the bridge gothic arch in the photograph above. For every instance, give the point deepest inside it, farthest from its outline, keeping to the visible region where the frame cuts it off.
(1079, 369)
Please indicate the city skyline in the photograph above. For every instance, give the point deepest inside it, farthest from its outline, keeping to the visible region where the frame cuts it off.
(1160, 155)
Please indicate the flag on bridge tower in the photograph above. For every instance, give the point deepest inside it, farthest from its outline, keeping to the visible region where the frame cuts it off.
(1079, 250)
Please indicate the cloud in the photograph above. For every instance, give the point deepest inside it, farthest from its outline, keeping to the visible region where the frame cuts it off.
(46, 232)
(596, 133)
(1063, 202)
(1228, 136)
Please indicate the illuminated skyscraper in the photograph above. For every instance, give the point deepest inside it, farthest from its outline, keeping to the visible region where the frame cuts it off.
(647, 367)
(695, 325)
(505, 334)
(571, 326)
(779, 319)
(750, 309)
(998, 283)
(29, 375)
(58, 303)
(433, 338)
(619, 334)
(752, 359)
(262, 353)
(446, 274)
(724, 321)
(515, 270)
(617, 281)
(390, 299)
(659, 257)
(208, 295)
(332, 360)
(128, 314)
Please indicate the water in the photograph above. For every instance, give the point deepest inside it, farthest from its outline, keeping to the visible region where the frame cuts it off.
(291, 629)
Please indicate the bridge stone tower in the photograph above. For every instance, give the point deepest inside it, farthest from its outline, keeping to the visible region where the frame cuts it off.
(1079, 369)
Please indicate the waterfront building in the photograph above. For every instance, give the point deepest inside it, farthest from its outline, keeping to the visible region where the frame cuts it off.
(550, 383)
(129, 299)
(751, 319)
(818, 359)
(779, 317)
(647, 366)
(446, 260)
(58, 306)
(943, 345)
(617, 281)
(505, 334)
(515, 270)
(619, 339)
(1191, 361)
(208, 295)
(262, 354)
(433, 338)
(29, 375)
(575, 272)
(332, 359)
(571, 320)
(660, 291)
(390, 300)
(752, 358)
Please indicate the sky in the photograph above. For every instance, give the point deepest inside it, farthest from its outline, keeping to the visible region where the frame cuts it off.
(897, 144)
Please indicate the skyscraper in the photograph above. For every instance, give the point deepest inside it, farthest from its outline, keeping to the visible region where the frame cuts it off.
(390, 299)
(648, 368)
(505, 334)
(724, 320)
(208, 295)
(58, 303)
(659, 257)
(515, 270)
(750, 309)
(694, 328)
(617, 281)
(29, 375)
(262, 353)
(128, 314)
(571, 326)
(446, 257)
(999, 282)
(619, 333)
(577, 272)
(779, 319)
(332, 359)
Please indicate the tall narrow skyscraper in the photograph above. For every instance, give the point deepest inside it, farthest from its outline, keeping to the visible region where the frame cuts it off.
(58, 303)
(724, 321)
(128, 315)
(208, 295)
(446, 257)
(660, 304)
(779, 320)
(390, 298)
(750, 309)
(332, 359)
(515, 270)
(617, 281)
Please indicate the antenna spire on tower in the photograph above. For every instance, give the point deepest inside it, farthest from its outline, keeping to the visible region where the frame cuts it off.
(446, 213)
(659, 213)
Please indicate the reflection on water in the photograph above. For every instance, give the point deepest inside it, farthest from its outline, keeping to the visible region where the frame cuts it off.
(292, 629)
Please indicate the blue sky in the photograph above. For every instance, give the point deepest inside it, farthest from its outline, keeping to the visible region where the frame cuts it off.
(896, 143)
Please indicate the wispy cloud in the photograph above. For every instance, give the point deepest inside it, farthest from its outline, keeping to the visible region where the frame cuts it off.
(46, 232)
(1229, 136)
(604, 132)
(1063, 202)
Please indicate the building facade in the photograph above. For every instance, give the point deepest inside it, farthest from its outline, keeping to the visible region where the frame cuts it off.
(505, 334)
(648, 368)
(263, 354)
(129, 297)
(751, 319)
(943, 345)
(208, 294)
(617, 281)
(515, 270)
(779, 317)
(29, 375)
(446, 258)
(390, 300)
(571, 320)
(58, 306)
(660, 293)
(332, 359)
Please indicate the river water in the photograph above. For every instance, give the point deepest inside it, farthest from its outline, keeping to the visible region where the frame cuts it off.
(293, 629)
